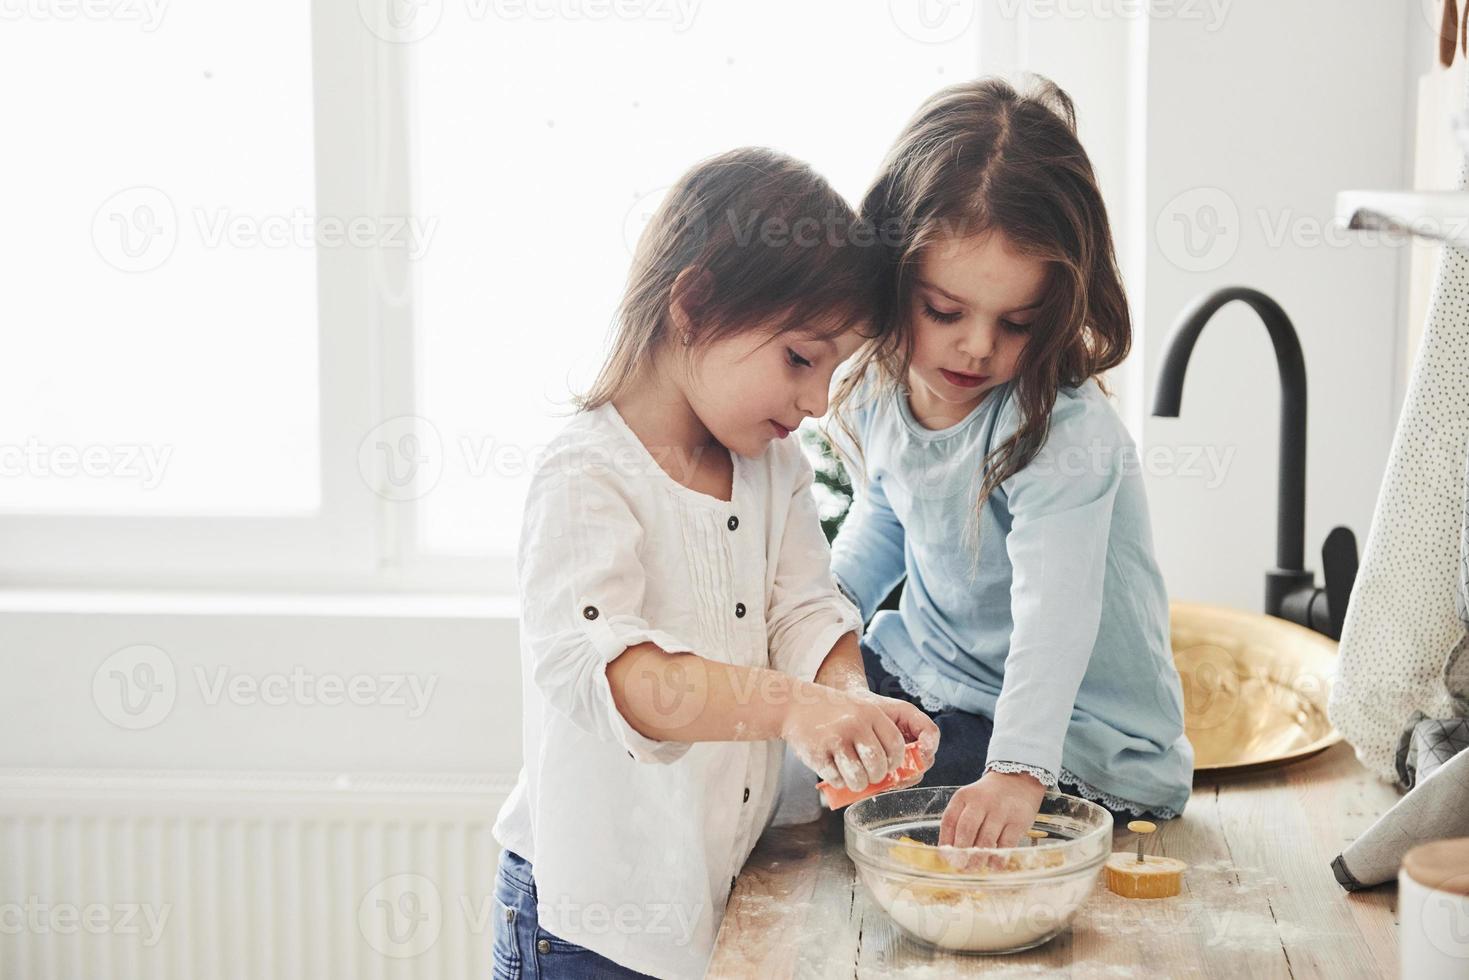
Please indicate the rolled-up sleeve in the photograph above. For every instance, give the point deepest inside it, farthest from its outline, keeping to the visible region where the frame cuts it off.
(1061, 512)
(581, 586)
(805, 613)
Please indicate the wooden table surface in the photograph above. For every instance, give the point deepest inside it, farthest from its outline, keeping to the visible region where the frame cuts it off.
(1259, 899)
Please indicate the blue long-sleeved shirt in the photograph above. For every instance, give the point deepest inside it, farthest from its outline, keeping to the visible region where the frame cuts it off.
(1059, 632)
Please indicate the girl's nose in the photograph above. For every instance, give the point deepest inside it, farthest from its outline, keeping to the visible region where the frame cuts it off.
(979, 344)
(813, 399)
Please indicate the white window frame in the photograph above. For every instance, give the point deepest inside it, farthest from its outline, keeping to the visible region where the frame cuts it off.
(357, 539)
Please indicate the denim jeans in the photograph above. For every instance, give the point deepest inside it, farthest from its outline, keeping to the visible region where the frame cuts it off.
(523, 949)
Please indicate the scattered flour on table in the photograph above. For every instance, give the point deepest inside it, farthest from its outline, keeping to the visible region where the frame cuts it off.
(1205, 912)
(762, 907)
(945, 971)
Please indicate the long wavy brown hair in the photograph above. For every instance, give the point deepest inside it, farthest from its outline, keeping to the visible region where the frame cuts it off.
(978, 157)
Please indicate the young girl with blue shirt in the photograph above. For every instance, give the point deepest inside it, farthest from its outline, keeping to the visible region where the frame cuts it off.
(679, 619)
(994, 479)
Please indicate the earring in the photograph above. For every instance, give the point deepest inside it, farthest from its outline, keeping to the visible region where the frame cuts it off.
(688, 337)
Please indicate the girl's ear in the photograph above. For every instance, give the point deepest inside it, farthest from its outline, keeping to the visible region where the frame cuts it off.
(692, 288)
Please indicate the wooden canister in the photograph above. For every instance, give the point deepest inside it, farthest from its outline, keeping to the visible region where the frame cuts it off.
(1433, 910)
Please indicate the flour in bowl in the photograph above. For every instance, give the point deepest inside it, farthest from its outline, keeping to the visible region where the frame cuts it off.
(981, 920)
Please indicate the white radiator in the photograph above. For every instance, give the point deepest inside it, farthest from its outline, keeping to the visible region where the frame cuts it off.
(156, 876)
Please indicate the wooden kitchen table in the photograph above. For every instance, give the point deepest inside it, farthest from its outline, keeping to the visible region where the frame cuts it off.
(1259, 899)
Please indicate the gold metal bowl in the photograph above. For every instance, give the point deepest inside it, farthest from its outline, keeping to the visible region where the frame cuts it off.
(1255, 687)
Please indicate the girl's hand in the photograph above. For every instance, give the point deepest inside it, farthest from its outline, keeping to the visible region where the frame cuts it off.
(915, 726)
(995, 811)
(851, 739)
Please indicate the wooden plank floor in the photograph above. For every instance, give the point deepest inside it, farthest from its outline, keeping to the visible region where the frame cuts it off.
(1259, 899)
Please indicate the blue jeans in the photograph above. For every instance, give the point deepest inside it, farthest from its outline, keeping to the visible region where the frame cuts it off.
(523, 949)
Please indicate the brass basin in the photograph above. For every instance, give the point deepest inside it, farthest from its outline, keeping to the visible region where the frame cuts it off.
(1254, 687)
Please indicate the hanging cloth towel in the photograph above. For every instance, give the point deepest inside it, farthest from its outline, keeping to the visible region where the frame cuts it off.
(1428, 743)
(1438, 807)
(1402, 627)
(1431, 761)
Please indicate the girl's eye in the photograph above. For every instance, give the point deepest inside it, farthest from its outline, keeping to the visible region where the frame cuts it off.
(939, 317)
(796, 360)
(1013, 327)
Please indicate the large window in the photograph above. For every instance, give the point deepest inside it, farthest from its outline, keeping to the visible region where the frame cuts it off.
(161, 321)
(303, 291)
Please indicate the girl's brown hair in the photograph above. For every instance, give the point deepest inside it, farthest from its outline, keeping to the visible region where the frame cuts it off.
(980, 157)
(767, 243)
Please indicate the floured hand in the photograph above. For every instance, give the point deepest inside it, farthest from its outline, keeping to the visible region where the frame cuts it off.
(915, 726)
(855, 738)
(994, 811)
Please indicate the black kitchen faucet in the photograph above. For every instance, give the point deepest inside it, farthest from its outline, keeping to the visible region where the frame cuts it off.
(1290, 589)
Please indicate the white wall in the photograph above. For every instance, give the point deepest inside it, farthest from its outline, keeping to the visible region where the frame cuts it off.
(226, 695)
(1273, 112)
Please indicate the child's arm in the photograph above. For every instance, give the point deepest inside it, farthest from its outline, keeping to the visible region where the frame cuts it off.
(1061, 518)
(867, 556)
(868, 563)
(842, 668)
(847, 739)
(806, 615)
(582, 583)
(813, 628)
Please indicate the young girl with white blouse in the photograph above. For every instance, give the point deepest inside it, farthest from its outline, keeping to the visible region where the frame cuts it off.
(995, 480)
(678, 613)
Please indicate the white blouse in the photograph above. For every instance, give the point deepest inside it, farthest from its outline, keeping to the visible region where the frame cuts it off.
(635, 842)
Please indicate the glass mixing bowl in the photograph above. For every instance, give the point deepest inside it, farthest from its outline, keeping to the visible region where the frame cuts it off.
(974, 899)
